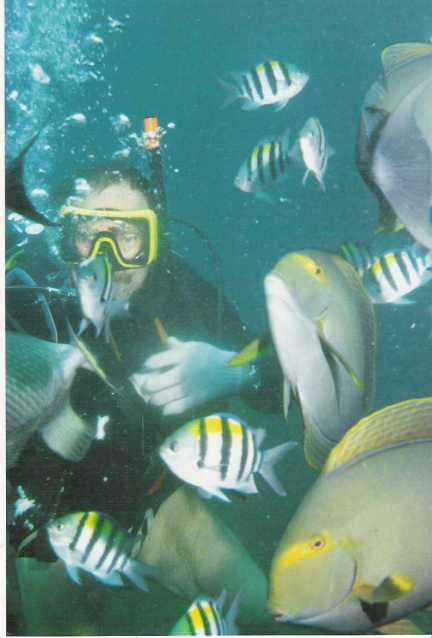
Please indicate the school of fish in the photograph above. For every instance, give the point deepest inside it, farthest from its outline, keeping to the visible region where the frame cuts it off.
(356, 556)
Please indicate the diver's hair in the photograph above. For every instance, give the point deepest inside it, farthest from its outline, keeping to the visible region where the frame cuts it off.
(102, 176)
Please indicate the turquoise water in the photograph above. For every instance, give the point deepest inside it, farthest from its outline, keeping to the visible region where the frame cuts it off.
(72, 68)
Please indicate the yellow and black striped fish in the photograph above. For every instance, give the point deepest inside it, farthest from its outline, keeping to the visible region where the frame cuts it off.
(398, 273)
(221, 452)
(270, 83)
(265, 167)
(95, 543)
(205, 618)
(358, 254)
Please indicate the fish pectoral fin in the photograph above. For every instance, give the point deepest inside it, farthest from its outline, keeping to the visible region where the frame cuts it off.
(390, 589)
(68, 435)
(327, 347)
(249, 486)
(400, 627)
(138, 572)
(112, 579)
(73, 573)
(208, 492)
(253, 351)
(286, 396)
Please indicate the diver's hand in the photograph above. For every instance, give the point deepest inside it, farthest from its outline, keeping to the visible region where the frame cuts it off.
(187, 374)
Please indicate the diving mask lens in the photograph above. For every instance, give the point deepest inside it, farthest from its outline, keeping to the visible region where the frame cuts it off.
(132, 242)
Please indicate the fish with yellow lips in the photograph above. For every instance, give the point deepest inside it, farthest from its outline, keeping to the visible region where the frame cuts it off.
(322, 326)
(357, 553)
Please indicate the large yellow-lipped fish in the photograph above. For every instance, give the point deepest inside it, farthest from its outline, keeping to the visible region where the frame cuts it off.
(323, 329)
(357, 553)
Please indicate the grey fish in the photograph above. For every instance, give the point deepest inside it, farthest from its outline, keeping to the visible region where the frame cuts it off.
(357, 553)
(323, 328)
(395, 136)
(38, 382)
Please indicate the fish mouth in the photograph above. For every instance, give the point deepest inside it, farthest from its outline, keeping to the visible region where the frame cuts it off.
(314, 619)
(276, 287)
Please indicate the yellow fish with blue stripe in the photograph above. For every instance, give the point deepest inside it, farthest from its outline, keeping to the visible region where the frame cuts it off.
(357, 554)
(221, 452)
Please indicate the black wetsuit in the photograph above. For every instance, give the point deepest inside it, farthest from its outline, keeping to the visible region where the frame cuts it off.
(121, 475)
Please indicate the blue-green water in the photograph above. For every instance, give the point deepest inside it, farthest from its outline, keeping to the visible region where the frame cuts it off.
(115, 57)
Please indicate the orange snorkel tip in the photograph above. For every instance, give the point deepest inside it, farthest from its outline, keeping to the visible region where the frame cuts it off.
(151, 133)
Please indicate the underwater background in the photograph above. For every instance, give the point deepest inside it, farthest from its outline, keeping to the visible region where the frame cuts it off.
(73, 69)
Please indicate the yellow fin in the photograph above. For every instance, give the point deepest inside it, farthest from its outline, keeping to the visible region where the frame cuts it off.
(391, 588)
(253, 351)
(397, 55)
(402, 627)
(316, 446)
(12, 260)
(396, 424)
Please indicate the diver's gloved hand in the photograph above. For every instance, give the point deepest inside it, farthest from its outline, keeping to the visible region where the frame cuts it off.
(187, 374)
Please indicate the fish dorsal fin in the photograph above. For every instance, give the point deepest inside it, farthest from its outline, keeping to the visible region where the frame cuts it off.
(397, 55)
(398, 424)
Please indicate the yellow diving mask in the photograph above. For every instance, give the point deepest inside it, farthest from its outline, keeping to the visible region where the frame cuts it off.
(131, 237)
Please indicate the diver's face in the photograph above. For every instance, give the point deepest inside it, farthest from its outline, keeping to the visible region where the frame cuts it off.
(118, 196)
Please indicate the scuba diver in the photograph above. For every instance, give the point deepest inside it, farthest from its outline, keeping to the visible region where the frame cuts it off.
(155, 332)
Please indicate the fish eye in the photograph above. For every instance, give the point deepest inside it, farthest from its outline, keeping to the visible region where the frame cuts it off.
(200, 463)
(318, 543)
(59, 527)
(174, 446)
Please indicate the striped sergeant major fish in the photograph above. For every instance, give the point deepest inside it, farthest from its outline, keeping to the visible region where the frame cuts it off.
(271, 83)
(205, 618)
(221, 452)
(95, 543)
(265, 167)
(312, 149)
(358, 254)
(398, 273)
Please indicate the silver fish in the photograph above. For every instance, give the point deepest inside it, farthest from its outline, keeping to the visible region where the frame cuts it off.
(265, 167)
(270, 83)
(313, 149)
(221, 452)
(95, 543)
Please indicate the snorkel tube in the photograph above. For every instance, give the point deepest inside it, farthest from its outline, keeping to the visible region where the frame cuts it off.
(151, 138)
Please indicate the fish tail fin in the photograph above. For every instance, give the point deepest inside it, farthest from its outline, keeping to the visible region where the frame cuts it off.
(322, 184)
(269, 460)
(138, 572)
(285, 140)
(231, 628)
(295, 153)
(281, 105)
(15, 194)
(232, 93)
(68, 435)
